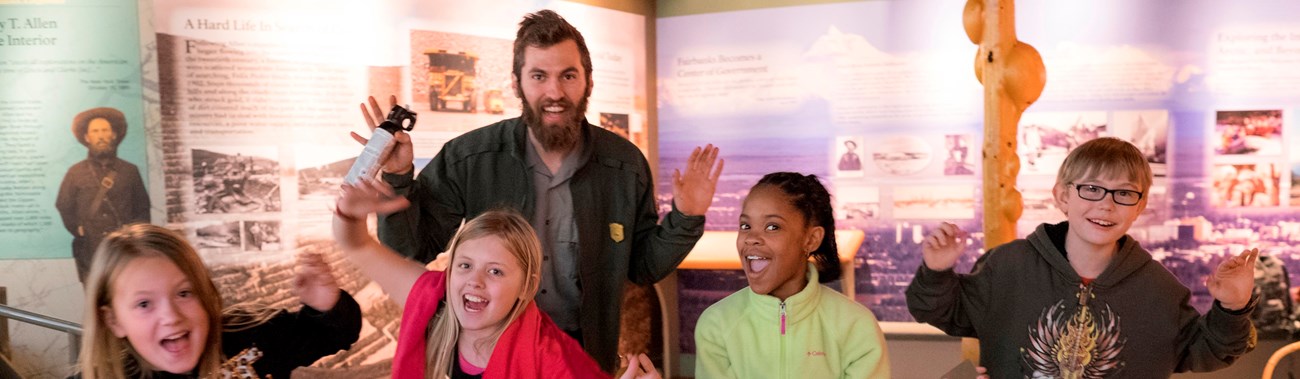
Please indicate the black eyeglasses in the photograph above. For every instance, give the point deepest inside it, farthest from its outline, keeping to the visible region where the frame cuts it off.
(1097, 193)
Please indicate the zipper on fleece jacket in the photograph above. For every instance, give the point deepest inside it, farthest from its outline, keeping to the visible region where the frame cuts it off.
(783, 318)
(782, 357)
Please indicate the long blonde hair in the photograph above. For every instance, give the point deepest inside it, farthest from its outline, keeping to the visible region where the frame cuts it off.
(521, 240)
(104, 355)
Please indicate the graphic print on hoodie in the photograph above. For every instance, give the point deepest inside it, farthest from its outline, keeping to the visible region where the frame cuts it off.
(1022, 300)
(1084, 343)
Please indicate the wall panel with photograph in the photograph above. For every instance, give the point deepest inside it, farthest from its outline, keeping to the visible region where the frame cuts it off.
(256, 120)
(1206, 96)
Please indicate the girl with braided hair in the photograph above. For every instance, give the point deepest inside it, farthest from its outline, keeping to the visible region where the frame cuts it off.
(786, 324)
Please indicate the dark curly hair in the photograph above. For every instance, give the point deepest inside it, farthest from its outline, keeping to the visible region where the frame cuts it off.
(809, 196)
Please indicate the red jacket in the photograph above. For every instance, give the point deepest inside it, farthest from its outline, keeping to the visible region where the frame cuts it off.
(530, 347)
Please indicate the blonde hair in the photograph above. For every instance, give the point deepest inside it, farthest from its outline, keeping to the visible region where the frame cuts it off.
(104, 355)
(1105, 157)
(521, 240)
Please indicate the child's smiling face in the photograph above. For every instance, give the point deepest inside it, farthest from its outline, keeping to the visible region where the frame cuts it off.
(774, 241)
(1098, 224)
(485, 284)
(155, 308)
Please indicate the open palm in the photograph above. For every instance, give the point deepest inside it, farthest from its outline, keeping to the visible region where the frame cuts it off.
(398, 157)
(366, 197)
(1234, 280)
(693, 188)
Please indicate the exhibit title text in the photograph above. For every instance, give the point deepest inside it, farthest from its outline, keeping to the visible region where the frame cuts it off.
(12, 25)
(720, 64)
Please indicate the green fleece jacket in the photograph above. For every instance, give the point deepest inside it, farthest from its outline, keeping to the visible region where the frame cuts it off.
(620, 237)
(817, 333)
(1035, 317)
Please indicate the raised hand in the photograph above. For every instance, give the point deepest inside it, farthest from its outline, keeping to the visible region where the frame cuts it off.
(693, 189)
(366, 197)
(1234, 280)
(314, 282)
(639, 367)
(397, 159)
(943, 246)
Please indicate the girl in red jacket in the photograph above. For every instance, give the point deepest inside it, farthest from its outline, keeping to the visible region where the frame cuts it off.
(477, 318)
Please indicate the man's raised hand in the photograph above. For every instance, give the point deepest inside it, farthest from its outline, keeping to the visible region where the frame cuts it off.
(397, 159)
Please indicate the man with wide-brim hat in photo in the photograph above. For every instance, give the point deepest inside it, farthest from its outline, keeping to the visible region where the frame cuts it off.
(102, 192)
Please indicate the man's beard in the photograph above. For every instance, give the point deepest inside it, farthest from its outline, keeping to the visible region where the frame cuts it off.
(562, 137)
(104, 150)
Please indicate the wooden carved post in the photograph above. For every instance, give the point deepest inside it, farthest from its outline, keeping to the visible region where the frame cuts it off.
(1013, 76)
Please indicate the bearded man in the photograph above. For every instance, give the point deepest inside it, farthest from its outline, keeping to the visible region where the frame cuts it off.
(588, 193)
(103, 192)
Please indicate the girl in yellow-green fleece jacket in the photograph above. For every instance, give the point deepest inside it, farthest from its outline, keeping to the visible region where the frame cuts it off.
(786, 324)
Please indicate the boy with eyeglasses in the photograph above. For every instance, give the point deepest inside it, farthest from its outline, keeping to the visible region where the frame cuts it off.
(1081, 299)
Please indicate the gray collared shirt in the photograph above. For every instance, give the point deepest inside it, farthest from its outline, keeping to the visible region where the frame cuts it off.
(558, 295)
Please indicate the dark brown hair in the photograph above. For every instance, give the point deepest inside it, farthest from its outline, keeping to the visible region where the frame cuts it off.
(545, 29)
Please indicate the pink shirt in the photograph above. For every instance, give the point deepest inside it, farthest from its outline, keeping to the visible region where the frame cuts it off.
(469, 368)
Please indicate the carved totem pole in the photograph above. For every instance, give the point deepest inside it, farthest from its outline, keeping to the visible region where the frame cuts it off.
(1013, 76)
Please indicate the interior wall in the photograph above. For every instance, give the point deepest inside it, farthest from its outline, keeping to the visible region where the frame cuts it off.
(670, 8)
(912, 356)
(51, 287)
(48, 287)
(645, 8)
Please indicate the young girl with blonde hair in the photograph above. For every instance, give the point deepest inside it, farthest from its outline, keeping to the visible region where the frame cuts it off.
(152, 311)
(478, 318)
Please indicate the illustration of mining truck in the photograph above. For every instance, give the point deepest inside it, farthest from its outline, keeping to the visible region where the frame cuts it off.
(451, 80)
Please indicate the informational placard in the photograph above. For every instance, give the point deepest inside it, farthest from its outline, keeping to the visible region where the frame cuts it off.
(879, 99)
(258, 99)
(66, 70)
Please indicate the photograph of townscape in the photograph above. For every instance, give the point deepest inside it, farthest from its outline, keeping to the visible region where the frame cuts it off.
(1190, 225)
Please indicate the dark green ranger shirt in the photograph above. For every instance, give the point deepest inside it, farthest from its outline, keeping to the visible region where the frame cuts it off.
(619, 234)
